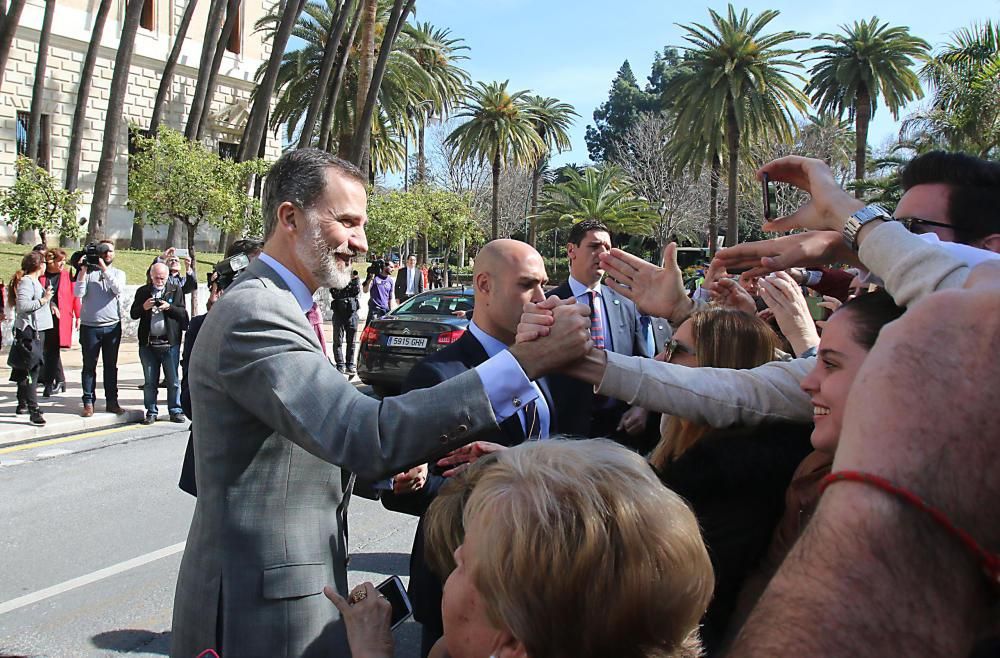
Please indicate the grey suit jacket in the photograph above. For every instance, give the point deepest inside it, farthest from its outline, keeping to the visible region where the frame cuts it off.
(275, 420)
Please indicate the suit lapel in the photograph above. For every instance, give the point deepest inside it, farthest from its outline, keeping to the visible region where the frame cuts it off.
(620, 335)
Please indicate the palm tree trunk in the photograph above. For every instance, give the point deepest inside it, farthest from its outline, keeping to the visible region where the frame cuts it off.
(536, 178)
(862, 116)
(167, 77)
(82, 97)
(400, 10)
(713, 205)
(421, 154)
(326, 125)
(114, 121)
(365, 73)
(213, 28)
(37, 92)
(496, 194)
(253, 134)
(232, 16)
(733, 142)
(325, 69)
(10, 22)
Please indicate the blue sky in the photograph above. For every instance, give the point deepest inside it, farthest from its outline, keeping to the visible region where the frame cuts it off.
(572, 49)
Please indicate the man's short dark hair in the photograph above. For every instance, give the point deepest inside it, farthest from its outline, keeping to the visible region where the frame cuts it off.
(299, 176)
(974, 197)
(248, 246)
(581, 229)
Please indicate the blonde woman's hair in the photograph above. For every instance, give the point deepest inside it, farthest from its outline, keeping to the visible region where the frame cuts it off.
(723, 338)
(583, 553)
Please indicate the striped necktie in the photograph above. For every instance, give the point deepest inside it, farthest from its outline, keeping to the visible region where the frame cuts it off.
(596, 320)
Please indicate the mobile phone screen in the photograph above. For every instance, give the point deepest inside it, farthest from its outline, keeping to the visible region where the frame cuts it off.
(392, 589)
(769, 199)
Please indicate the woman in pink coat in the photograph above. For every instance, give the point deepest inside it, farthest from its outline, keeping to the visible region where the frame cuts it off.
(65, 313)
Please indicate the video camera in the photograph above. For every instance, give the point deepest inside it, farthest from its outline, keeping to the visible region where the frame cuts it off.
(376, 268)
(89, 255)
(226, 271)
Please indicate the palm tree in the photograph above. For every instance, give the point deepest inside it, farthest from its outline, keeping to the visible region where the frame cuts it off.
(7, 30)
(551, 119)
(602, 193)
(113, 124)
(499, 130)
(964, 114)
(867, 60)
(737, 85)
(167, 77)
(342, 10)
(213, 27)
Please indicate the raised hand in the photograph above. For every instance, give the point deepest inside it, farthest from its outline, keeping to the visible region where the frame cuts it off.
(657, 291)
(784, 297)
(829, 205)
(729, 293)
(568, 340)
(811, 249)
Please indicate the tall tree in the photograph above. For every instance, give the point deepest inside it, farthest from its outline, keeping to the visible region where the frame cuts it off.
(167, 77)
(333, 38)
(498, 130)
(602, 193)
(253, 133)
(113, 121)
(360, 152)
(551, 119)
(7, 30)
(737, 85)
(867, 60)
(232, 17)
(213, 27)
(82, 98)
(333, 93)
(37, 96)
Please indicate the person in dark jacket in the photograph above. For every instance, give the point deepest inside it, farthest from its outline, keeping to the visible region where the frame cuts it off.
(345, 307)
(159, 307)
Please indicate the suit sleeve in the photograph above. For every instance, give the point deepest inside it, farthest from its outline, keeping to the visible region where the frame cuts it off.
(269, 363)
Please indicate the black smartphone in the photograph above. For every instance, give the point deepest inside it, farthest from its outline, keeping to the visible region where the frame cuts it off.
(392, 589)
(770, 201)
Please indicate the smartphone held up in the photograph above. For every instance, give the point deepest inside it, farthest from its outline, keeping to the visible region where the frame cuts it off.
(769, 198)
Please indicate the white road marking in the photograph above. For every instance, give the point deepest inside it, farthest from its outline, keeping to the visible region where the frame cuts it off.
(12, 462)
(92, 577)
(58, 452)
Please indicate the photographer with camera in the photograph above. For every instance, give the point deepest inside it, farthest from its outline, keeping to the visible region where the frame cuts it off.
(99, 287)
(379, 284)
(159, 308)
(345, 307)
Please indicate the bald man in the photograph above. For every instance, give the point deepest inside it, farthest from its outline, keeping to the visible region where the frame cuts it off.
(159, 308)
(507, 274)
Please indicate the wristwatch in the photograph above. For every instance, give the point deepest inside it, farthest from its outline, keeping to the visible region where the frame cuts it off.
(854, 223)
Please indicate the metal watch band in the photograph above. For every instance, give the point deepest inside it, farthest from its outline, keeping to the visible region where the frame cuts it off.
(854, 223)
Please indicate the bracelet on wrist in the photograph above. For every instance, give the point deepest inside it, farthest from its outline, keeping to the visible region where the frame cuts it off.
(988, 561)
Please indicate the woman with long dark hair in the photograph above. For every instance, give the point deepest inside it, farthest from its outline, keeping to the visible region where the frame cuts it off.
(65, 307)
(31, 306)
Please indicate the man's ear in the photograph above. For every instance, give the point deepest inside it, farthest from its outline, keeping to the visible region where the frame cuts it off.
(287, 216)
(510, 647)
(481, 282)
(991, 243)
(570, 251)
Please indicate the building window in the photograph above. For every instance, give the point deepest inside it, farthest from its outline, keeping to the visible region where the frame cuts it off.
(147, 17)
(229, 150)
(21, 138)
(236, 36)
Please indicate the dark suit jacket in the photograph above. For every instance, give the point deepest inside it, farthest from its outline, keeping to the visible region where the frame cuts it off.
(400, 290)
(575, 399)
(461, 356)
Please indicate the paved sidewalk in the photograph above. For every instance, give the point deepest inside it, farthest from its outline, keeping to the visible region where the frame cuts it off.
(62, 411)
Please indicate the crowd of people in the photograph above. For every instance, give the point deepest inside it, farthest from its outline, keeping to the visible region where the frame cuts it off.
(610, 467)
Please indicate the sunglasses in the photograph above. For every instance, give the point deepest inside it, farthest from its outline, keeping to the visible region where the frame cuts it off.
(915, 224)
(673, 347)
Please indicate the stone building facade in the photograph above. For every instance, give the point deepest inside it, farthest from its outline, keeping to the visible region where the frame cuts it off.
(71, 34)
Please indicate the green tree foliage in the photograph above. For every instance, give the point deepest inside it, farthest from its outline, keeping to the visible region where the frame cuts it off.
(37, 201)
(601, 193)
(626, 102)
(395, 216)
(867, 61)
(172, 178)
(552, 119)
(740, 85)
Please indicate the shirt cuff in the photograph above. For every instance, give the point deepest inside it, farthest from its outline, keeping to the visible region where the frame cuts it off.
(507, 387)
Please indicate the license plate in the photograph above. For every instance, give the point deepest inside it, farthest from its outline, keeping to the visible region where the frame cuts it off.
(407, 341)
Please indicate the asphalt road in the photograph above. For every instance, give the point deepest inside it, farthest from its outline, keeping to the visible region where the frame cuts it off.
(91, 534)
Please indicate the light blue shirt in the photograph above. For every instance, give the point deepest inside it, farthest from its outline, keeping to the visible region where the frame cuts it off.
(582, 294)
(506, 385)
(294, 283)
(492, 346)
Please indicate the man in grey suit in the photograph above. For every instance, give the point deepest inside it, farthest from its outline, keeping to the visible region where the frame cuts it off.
(276, 421)
(617, 328)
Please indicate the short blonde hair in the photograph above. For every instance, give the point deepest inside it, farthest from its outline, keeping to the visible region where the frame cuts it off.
(584, 553)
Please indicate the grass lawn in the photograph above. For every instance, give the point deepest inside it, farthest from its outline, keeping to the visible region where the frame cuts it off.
(133, 263)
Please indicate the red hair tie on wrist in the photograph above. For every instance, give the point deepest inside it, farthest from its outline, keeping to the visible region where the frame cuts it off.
(990, 562)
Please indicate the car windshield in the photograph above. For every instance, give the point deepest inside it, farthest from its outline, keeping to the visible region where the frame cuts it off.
(436, 304)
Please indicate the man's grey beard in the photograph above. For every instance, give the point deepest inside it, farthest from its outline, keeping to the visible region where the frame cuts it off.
(322, 261)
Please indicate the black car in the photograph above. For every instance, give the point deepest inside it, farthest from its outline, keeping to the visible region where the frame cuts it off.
(420, 326)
